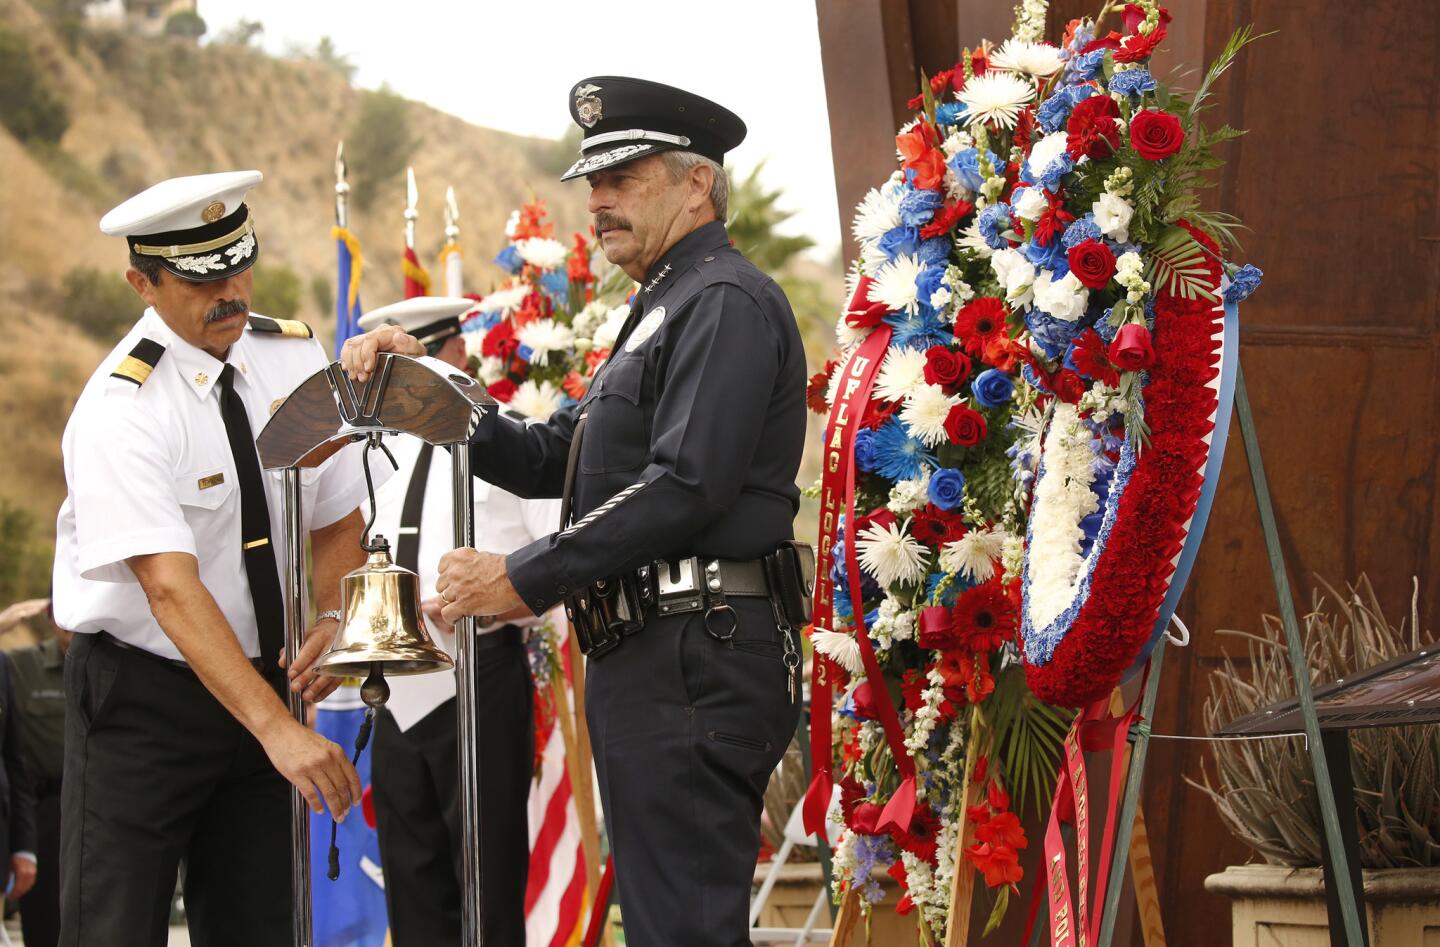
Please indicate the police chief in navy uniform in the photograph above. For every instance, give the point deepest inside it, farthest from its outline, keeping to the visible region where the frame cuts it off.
(677, 565)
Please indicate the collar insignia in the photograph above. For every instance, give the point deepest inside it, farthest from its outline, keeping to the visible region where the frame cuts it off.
(588, 108)
(201, 378)
(650, 287)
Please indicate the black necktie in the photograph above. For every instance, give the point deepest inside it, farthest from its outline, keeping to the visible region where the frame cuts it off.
(407, 543)
(256, 547)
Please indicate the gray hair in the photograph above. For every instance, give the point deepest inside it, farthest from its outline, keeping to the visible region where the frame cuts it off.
(679, 163)
(147, 265)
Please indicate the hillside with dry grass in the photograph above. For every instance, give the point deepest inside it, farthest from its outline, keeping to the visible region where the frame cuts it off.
(141, 110)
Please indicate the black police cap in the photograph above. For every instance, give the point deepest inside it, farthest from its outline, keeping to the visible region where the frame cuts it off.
(625, 119)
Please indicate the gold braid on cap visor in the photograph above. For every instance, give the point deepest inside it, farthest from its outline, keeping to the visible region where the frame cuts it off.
(190, 249)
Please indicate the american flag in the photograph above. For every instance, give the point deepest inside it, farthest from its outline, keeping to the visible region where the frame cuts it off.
(555, 896)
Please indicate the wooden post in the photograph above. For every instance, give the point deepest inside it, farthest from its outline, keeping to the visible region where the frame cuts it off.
(846, 921)
(957, 923)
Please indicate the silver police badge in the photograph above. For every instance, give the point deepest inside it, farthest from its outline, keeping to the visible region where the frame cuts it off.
(587, 105)
(645, 329)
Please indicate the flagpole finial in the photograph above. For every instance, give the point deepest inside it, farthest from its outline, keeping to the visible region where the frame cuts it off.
(452, 216)
(412, 199)
(342, 187)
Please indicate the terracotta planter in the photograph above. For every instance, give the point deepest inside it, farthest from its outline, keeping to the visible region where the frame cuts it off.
(1272, 904)
(794, 893)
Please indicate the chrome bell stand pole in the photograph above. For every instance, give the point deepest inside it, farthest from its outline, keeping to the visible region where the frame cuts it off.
(301, 919)
(442, 407)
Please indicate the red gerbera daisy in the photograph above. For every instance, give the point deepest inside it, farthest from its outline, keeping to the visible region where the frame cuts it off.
(923, 835)
(985, 617)
(979, 324)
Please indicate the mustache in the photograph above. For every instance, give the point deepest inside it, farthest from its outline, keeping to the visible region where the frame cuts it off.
(226, 308)
(608, 221)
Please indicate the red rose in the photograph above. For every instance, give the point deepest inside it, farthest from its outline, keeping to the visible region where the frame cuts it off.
(1068, 386)
(1155, 135)
(1134, 14)
(866, 707)
(502, 390)
(964, 426)
(1092, 263)
(866, 817)
(1091, 128)
(1131, 351)
(946, 367)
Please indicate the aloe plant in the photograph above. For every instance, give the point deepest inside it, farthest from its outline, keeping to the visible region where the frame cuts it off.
(1264, 789)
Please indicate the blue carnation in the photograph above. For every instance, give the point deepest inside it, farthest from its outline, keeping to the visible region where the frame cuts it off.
(1243, 282)
(557, 284)
(1084, 67)
(950, 113)
(918, 206)
(509, 259)
(898, 456)
(920, 329)
(899, 240)
(1058, 167)
(865, 450)
(1105, 328)
(992, 388)
(1053, 335)
(951, 593)
(966, 165)
(933, 251)
(1133, 82)
(1055, 111)
(1051, 257)
(947, 488)
(524, 352)
(993, 221)
(1080, 231)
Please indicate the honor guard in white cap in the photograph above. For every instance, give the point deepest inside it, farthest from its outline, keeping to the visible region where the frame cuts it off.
(179, 747)
(414, 772)
(677, 564)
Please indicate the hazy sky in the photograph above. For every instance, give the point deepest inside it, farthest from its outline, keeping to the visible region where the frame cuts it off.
(511, 66)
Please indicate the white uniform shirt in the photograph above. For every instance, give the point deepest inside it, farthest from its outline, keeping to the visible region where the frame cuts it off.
(503, 523)
(149, 470)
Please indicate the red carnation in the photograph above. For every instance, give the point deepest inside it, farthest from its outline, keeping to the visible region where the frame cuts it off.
(946, 367)
(1092, 263)
(965, 426)
(819, 384)
(979, 323)
(944, 220)
(502, 390)
(938, 82)
(1091, 129)
(1068, 386)
(1132, 350)
(985, 617)
(1155, 135)
(1141, 46)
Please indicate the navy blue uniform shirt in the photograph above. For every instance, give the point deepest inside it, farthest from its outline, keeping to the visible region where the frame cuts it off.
(693, 434)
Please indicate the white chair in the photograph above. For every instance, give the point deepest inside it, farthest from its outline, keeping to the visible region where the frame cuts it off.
(809, 934)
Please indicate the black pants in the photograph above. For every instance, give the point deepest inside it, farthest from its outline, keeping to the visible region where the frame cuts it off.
(40, 908)
(157, 772)
(687, 730)
(416, 785)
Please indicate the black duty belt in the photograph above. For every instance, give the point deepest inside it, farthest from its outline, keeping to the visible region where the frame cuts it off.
(105, 636)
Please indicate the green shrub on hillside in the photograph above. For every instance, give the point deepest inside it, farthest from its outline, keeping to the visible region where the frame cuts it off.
(185, 23)
(28, 107)
(100, 302)
(26, 555)
(276, 292)
(321, 292)
(379, 144)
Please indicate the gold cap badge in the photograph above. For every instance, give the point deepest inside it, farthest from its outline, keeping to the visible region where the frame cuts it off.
(212, 212)
(200, 379)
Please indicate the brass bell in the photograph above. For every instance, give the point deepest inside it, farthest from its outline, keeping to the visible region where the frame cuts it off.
(382, 631)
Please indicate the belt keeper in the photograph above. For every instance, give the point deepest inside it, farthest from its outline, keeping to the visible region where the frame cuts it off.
(714, 589)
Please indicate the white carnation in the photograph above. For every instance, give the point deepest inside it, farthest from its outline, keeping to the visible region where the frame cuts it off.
(1045, 151)
(492, 370)
(587, 320)
(1032, 203)
(1016, 274)
(609, 330)
(1112, 216)
(504, 299)
(1064, 298)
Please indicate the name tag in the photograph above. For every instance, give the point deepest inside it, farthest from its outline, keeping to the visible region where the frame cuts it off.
(214, 480)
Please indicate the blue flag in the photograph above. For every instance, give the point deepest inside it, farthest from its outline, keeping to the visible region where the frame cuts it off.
(347, 286)
(349, 912)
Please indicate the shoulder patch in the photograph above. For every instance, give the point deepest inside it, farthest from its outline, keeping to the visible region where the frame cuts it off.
(291, 328)
(137, 366)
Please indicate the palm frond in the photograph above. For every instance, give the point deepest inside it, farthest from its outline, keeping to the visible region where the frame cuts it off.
(1026, 734)
(1178, 266)
(1238, 40)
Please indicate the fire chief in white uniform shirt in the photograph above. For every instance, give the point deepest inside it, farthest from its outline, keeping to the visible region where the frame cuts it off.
(414, 771)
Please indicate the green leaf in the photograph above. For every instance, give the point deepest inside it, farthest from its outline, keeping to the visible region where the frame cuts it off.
(1178, 266)
(997, 913)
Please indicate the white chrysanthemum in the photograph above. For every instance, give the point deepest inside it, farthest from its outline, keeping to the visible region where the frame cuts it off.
(505, 299)
(1045, 151)
(840, 647)
(1016, 274)
(877, 213)
(973, 240)
(973, 555)
(894, 283)
(544, 337)
(1035, 59)
(1112, 216)
(587, 320)
(512, 223)
(902, 374)
(996, 98)
(890, 555)
(925, 413)
(846, 335)
(492, 370)
(1064, 298)
(542, 252)
(1031, 203)
(832, 390)
(609, 330)
(957, 142)
(537, 401)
